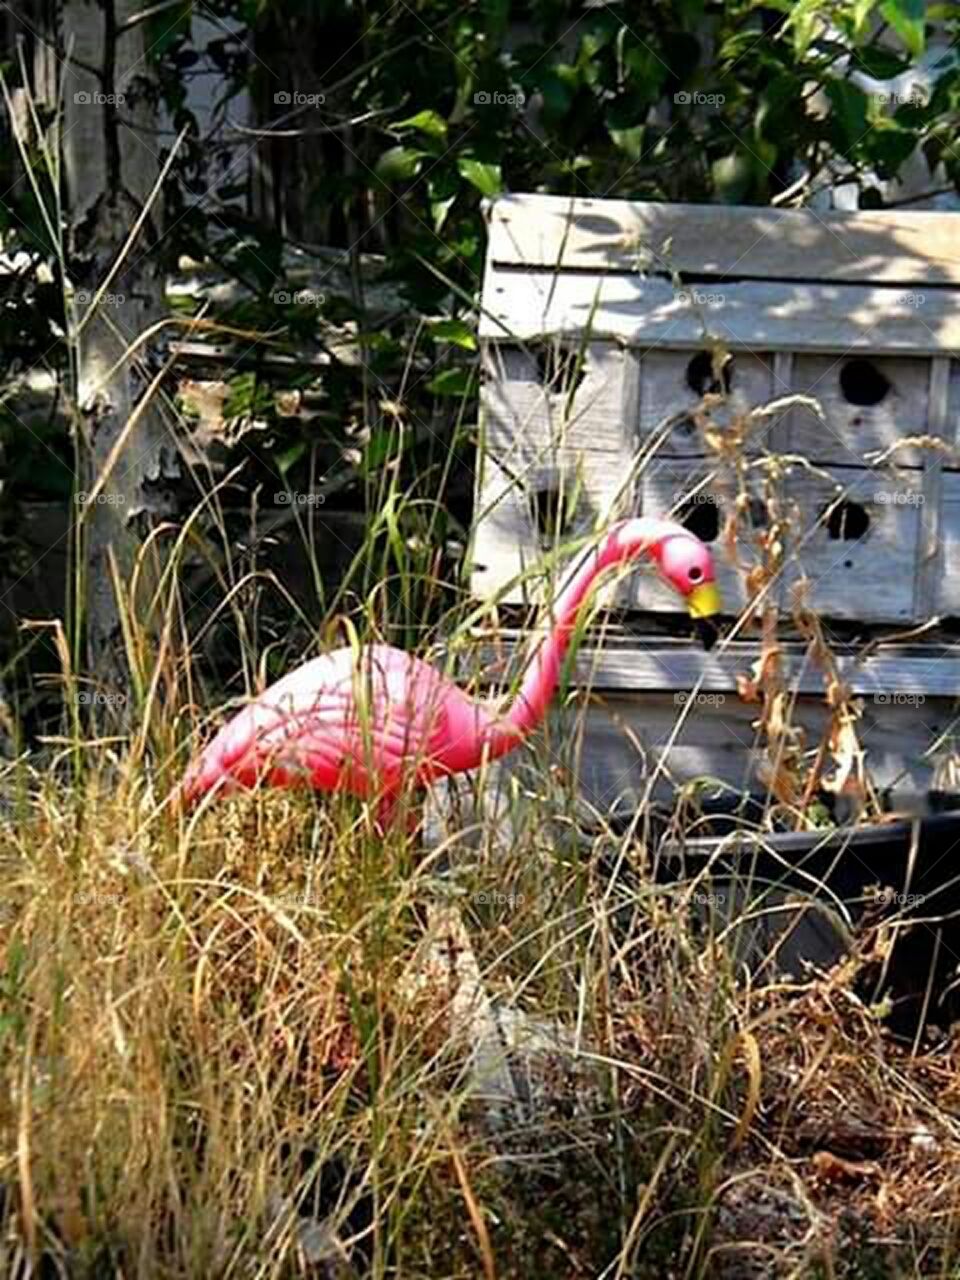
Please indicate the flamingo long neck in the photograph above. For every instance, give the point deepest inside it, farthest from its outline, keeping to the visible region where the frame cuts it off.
(556, 625)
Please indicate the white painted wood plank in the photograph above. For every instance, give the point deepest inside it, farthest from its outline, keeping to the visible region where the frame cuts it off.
(895, 676)
(929, 552)
(505, 551)
(613, 749)
(868, 578)
(528, 423)
(943, 567)
(510, 551)
(849, 432)
(948, 595)
(758, 316)
(906, 247)
(668, 386)
(952, 424)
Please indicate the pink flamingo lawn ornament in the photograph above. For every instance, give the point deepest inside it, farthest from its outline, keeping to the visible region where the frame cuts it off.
(377, 722)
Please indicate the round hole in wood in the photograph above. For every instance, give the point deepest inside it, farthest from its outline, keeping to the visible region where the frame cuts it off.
(701, 515)
(757, 513)
(553, 511)
(560, 369)
(702, 374)
(863, 383)
(847, 521)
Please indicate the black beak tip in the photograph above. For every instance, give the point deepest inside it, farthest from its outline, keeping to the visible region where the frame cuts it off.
(708, 633)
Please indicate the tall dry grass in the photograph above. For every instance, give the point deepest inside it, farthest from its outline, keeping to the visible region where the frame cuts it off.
(230, 1048)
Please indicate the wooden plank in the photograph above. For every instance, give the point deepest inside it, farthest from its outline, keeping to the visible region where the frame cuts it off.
(930, 558)
(849, 432)
(869, 577)
(910, 248)
(948, 534)
(782, 373)
(504, 545)
(893, 677)
(671, 383)
(546, 453)
(508, 550)
(243, 352)
(852, 537)
(522, 305)
(622, 751)
(528, 422)
(952, 425)
(778, 433)
(852, 540)
(943, 567)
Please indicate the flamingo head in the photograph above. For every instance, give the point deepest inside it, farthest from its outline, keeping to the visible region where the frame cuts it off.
(684, 562)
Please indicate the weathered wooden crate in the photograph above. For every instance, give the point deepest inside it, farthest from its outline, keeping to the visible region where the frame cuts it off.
(624, 346)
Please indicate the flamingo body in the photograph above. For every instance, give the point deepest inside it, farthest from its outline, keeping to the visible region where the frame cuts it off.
(367, 726)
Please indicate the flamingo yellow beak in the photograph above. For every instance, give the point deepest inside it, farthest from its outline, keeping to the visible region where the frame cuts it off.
(704, 601)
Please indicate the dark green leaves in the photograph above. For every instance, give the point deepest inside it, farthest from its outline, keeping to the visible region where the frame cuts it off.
(456, 332)
(428, 122)
(849, 116)
(907, 19)
(485, 177)
(398, 164)
(452, 382)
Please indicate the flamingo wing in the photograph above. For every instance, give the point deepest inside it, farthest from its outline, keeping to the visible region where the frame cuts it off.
(334, 723)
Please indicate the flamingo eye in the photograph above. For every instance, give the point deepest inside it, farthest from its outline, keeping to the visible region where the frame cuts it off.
(695, 574)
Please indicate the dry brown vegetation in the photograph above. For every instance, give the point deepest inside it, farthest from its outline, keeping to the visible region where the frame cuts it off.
(228, 1050)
